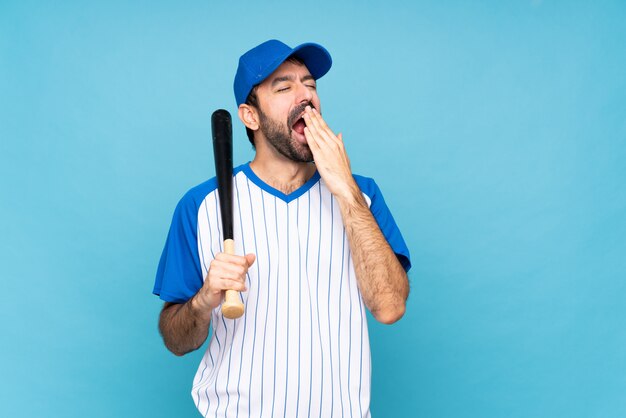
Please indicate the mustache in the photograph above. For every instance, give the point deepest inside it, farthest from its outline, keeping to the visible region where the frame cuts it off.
(296, 113)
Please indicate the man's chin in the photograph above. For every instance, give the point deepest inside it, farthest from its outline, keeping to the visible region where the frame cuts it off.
(293, 146)
(302, 155)
(302, 158)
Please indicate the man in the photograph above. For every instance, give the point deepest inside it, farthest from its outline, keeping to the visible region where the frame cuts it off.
(319, 244)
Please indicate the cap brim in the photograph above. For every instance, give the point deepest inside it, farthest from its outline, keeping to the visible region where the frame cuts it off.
(315, 57)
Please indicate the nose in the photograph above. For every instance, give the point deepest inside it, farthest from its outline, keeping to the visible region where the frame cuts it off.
(305, 94)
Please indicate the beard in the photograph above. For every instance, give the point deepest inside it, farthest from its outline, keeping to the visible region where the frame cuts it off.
(279, 135)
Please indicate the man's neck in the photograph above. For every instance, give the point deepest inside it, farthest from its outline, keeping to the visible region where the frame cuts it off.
(282, 174)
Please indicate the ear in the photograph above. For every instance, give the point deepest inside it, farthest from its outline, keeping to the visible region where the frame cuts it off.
(249, 116)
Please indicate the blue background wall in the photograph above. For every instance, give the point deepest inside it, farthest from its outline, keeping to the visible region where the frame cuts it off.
(496, 130)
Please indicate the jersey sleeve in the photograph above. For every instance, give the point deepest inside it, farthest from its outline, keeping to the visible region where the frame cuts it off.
(179, 275)
(385, 220)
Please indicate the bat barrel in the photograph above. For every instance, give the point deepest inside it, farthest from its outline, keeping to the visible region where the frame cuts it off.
(221, 125)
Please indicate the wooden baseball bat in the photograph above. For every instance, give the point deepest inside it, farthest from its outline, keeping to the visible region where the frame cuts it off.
(221, 126)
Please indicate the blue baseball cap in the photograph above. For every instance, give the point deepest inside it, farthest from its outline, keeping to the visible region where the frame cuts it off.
(261, 61)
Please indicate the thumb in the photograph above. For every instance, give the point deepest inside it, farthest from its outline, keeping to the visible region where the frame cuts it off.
(250, 258)
(340, 136)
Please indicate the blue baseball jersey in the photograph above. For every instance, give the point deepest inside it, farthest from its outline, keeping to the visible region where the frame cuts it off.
(302, 347)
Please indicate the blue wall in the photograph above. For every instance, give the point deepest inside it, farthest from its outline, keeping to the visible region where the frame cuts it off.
(497, 131)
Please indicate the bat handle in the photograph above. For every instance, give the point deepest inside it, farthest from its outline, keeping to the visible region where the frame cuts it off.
(232, 308)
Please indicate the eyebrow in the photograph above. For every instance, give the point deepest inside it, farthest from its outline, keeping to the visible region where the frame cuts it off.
(278, 80)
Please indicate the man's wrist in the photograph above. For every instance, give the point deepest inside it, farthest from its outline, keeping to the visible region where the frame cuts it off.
(350, 198)
(198, 309)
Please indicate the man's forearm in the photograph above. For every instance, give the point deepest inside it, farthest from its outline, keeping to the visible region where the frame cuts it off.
(382, 279)
(184, 327)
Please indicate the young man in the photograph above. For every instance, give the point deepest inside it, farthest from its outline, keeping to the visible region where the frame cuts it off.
(318, 243)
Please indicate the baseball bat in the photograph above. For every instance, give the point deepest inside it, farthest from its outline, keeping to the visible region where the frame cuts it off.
(221, 126)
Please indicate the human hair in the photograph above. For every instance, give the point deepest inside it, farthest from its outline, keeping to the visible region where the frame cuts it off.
(253, 99)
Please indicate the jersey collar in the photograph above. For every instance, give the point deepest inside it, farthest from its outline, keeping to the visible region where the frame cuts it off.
(275, 192)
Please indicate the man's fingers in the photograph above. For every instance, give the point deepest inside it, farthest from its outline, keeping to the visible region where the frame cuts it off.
(250, 258)
(229, 284)
(226, 272)
(219, 281)
(314, 124)
(234, 263)
(311, 139)
(317, 117)
(319, 128)
(229, 270)
(231, 258)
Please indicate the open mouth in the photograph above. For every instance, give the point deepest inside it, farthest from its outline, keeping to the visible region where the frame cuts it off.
(298, 126)
(296, 118)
